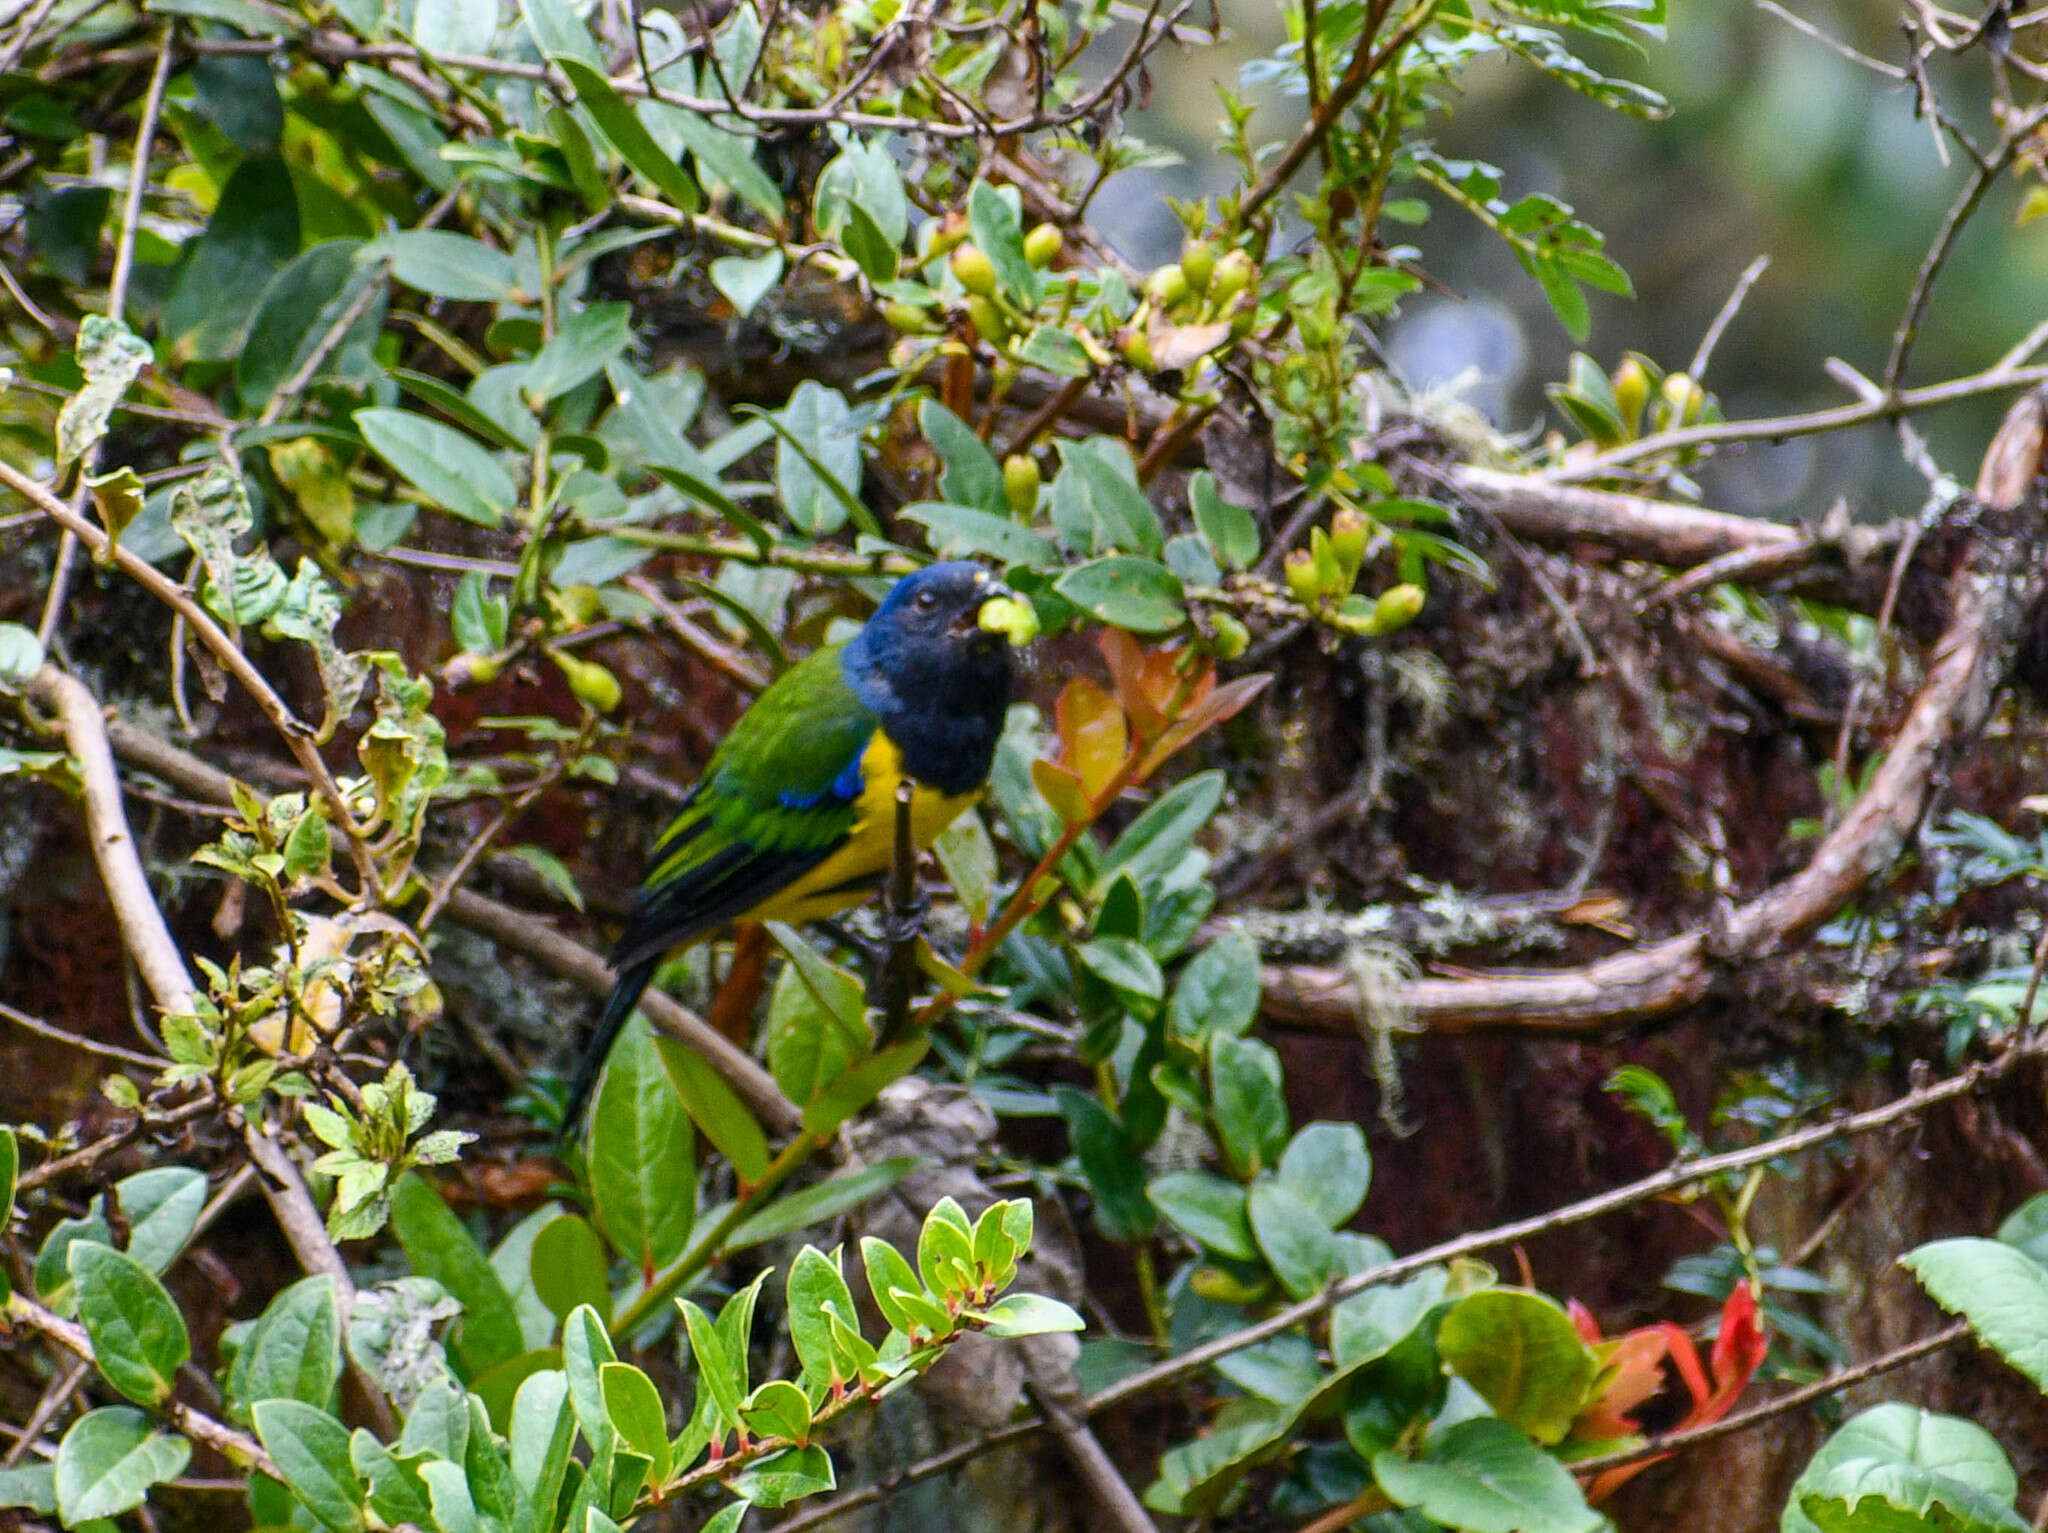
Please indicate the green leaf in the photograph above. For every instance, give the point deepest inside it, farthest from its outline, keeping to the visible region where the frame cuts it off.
(971, 477)
(138, 1336)
(1294, 1239)
(543, 1432)
(1157, 839)
(1371, 1325)
(294, 1352)
(296, 310)
(816, 1021)
(450, 469)
(818, 461)
(481, 621)
(945, 1251)
(897, 1290)
(443, 27)
(447, 265)
(111, 356)
(1230, 531)
(784, 1477)
(1327, 1166)
(996, 229)
(1097, 506)
(1207, 1209)
(587, 342)
(2026, 1228)
(957, 531)
(746, 280)
(777, 1409)
(21, 656)
(10, 1169)
(311, 1451)
(860, 1086)
(439, 1247)
(821, 1201)
(1905, 1436)
(633, 1405)
(816, 1283)
(1244, 1090)
(1123, 964)
(1115, 1171)
(628, 135)
(1219, 989)
(108, 1461)
(1522, 1353)
(1139, 595)
(396, 1492)
(718, 1370)
(2002, 1292)
(586, 1348)
(643, 1169)
(557, 30)
(253, 232)
(30, 1488)
(1875, 1496)
(723, 158)
(1485, 1477)
(716, 1109)
(569, 1267)
(1029, 1314)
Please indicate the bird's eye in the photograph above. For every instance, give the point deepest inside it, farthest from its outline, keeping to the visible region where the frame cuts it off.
(926, 600)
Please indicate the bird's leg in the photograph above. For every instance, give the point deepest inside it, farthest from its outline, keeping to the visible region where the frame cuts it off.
(892, 981)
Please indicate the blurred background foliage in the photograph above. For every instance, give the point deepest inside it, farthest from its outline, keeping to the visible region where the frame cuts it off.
(1777, 145)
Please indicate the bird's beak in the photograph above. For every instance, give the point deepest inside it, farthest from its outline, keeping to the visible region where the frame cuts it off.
(1003, 611)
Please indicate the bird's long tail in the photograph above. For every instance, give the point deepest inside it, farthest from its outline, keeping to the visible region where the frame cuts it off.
(625, 996)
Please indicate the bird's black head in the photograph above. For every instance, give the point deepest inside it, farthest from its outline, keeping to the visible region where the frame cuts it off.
(937, 680)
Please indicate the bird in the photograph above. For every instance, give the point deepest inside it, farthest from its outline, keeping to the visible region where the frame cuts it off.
(794, 817)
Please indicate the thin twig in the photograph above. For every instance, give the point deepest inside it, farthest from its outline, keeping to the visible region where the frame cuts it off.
(1995, 380)
(42, 1029)
(1733, 306)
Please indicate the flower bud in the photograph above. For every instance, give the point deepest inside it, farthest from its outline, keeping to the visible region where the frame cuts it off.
(949, 235)
(988, 320)
(1684, 398)
(975, 271)
(1234, 272)
(1348, 533)
(1169, 285)
(593, 685)
(1042, 245)
(1396, 607)
(1232, 638)
(906, 318)
(1631, 392)
(1302, 579)
(1020, 483)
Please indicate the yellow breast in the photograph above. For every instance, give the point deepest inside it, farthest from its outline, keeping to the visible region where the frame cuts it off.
(857, 869)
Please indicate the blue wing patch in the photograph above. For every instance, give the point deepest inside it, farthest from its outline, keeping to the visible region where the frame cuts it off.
(845, 788)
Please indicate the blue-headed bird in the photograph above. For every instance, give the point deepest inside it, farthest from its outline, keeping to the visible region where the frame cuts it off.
(794, 818)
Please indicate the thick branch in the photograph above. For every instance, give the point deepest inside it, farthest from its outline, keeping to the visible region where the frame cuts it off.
(143, 931)
(1996, 583)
